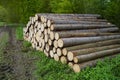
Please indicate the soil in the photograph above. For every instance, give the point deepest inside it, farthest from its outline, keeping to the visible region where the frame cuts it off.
(16, 64)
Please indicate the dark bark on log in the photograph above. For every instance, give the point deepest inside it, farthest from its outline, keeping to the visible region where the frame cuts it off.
(65, 42)
(79, 52)
(95, 55)
(78, 67)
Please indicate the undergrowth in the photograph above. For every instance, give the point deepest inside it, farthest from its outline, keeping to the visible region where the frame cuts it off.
(3, 41)
(48, 69)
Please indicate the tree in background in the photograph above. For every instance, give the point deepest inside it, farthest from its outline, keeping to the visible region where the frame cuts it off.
(21, 10)
(61, 6)
(112, 12)
(3, 14)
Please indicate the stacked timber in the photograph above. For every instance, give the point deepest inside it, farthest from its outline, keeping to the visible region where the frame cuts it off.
(79, 40)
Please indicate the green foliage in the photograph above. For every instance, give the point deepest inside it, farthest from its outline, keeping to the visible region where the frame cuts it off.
(19, 33)
(21, 10)
(112, 12)
(3, 14)
(61, 6)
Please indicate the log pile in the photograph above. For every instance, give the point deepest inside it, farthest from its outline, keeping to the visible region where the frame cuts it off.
(79, 40)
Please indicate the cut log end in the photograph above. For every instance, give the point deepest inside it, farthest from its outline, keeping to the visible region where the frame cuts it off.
(70, 64)
(56, 57)
(64, 51)
(51, 54)
(76, 68)
(48, 23)
(51, 35)
(59, 52)
(56, 36)
(55, 44)
(75, 60)
(52, 27)
(70, 56)
(63, 60)
(60, 43)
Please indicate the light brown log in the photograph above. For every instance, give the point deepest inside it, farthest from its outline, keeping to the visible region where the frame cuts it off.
(63, 60)
(52, 35)
(48, 23)
(78, 67)
(54, 50)
(65, 42)
(70, 64)
(45, 31)
(48, 30)
(46, 38)
(79, 52)
(50, 42)
(51, 54)
(59, 27)
(95, 55)
(59, 52)
(43, 44)
(56, 57)
(64, 51)
(55, 43)
(47, 47)
(42, 27)
(90, 45)
(59, 35)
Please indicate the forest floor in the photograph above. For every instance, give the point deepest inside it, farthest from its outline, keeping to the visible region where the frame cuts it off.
(15, 64)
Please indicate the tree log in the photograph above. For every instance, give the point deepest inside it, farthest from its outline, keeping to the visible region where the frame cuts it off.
(65, 42)
(56, 57)
(51, 54)
(95, 55)
(59, 52)
(79, 52)
(63, 60)
(59, 35)
(78, 67)
(59, 27)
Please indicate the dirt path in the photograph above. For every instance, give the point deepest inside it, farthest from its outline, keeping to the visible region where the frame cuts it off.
(20, 64)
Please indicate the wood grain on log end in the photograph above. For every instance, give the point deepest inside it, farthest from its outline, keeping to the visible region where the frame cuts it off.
(51, 54)
(70, 64)
(56, 57)
(76, 68)
(60, 43)
(56, 36)
(54, 50)
(59, 51)
(70, 56)
(63, 60)
(55, 43)
(49, 23)
(52, 36)
(64, 51)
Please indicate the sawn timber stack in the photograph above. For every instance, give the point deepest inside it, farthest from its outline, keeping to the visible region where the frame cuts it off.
(79, 40)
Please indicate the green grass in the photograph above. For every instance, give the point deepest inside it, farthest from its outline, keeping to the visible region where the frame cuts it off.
(19, 33)
(48, 69)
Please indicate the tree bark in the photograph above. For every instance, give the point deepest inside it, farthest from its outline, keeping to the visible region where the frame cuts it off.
(59, 35)
(79, 52)
(95, 55)
(78, 67)
(67, 42)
